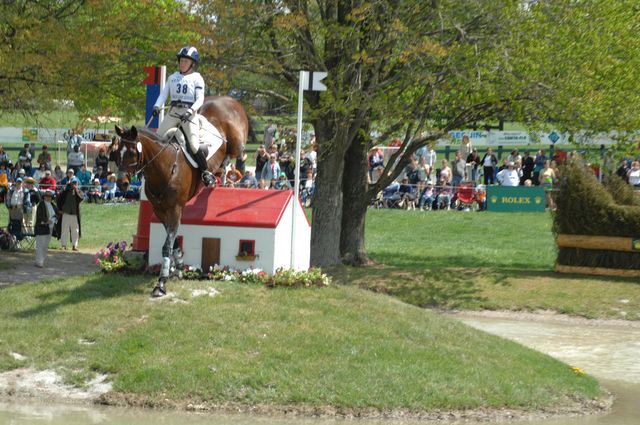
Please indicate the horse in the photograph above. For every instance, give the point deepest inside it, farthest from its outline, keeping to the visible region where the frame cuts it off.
(170, 181)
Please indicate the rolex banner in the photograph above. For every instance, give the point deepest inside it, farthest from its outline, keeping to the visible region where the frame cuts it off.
(515, 199)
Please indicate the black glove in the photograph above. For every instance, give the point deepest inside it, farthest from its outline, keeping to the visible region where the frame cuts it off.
(186, 116)
(156, 111)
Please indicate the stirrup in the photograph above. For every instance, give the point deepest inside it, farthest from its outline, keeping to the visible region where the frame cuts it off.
(208, 179)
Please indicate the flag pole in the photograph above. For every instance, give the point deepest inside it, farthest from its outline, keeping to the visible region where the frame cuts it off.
(296, 182)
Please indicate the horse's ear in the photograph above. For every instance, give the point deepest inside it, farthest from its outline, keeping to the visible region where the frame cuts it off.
(134, 133)
(119, 130)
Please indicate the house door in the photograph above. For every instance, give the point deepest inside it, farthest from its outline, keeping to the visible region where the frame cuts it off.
(210, 253)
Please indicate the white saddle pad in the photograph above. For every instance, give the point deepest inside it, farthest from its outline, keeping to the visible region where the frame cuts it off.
(210, 137)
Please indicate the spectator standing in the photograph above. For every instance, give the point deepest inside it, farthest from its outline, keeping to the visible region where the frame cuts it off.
(489, 162)
(4, 158)
(272, 169)
(287, 166)
(46, 217)
(47, 182)
(69, 204)
(75, 139)
(375, 159)
(312, 156)
(538, 165)
(45, 157)
(445, 172)
(528, 164)
(308, 189)
(514, 156)
(112, 154)
(4, 181)
(241, 161)
(24, 158)
(16, 201)
(75, 159)
(473, 159)
(547, 178)
(101, 164)
(34, 199)
(270, 134)
(458, 170)
(261, 158)
(465, 147)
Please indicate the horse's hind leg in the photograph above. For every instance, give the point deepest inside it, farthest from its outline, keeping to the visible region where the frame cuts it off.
(167, 251)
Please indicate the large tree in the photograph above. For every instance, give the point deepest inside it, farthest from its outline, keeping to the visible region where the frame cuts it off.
(421, 69)
(91, 52)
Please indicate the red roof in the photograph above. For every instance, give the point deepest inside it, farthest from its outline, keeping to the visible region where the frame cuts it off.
(236, 207)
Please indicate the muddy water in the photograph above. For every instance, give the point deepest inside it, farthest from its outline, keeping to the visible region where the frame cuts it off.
(607, 350)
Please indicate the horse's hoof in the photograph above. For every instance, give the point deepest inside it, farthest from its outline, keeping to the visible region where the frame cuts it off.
(159, 290)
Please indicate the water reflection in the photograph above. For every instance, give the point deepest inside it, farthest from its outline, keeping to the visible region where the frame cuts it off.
(605, 350)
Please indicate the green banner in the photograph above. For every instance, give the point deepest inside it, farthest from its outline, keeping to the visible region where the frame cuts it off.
(515, 199)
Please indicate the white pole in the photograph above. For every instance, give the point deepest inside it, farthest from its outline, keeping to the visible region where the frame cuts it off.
(296, 182)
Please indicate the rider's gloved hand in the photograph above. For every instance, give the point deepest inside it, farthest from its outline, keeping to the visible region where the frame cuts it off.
(156, 111)
(186, 116)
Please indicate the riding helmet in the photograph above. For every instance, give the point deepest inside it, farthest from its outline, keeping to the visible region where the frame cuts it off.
(189, 52)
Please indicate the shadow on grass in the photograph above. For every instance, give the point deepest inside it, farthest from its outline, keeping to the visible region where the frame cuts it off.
(447, 288)
(98, 286)
(420, 261)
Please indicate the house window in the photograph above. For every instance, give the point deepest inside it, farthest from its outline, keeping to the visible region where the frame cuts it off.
(247, 247)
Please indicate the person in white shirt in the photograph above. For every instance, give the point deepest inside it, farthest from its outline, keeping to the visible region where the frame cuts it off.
(509, 176)
(186, 88)
(75, 159)
(634, 174)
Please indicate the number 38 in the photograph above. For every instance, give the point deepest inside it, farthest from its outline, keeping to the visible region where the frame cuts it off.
(182, 88)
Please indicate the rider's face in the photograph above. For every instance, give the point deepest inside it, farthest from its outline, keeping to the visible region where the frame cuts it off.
(185, 65)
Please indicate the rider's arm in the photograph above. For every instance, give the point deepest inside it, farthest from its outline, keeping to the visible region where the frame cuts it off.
(162, 98)
(199, 94)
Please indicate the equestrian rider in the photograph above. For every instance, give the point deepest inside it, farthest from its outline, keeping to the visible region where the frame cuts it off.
(187, 95)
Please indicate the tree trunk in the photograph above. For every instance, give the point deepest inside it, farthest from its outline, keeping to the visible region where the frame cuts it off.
(355, 203)
(327, 201)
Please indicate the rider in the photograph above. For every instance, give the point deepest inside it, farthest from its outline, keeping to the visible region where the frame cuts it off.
(187, 95)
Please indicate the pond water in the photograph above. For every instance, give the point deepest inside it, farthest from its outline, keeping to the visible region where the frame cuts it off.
(608, 350)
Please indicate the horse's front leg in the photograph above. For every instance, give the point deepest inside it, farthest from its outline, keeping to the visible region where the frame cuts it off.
(167, 252)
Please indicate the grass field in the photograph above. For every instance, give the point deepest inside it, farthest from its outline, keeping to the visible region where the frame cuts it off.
(350, 346)
(448, 259)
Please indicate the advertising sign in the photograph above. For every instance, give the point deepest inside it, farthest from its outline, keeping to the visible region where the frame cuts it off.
(515, 199)
(29, 134)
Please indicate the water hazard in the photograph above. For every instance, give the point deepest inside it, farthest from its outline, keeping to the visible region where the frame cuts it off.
(607, 350)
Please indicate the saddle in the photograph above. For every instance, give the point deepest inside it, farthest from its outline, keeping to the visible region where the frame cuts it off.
(210, 137)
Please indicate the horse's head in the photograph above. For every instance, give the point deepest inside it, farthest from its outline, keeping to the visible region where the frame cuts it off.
(129, 152)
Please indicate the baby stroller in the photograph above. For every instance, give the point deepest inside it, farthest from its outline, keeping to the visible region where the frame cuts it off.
(466, 196)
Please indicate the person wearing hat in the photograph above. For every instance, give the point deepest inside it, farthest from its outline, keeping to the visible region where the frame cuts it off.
(45, 158)
(47, 182)
(16, 201)
(186, 88)
(67, 178)
(46, 218)
(509, 176)
(69, 204)
(95, 191)
(283, 182)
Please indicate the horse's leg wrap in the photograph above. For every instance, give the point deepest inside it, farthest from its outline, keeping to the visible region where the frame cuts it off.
(159, 290)
(166, 265)
(201, 159)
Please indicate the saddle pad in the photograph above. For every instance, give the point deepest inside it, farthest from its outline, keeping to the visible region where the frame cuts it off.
(210, 137)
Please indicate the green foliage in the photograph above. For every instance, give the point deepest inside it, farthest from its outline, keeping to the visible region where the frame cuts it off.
(621, 191)
(585, 207)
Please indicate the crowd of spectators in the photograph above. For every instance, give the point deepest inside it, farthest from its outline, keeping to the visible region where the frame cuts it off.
(429, 183)
(97, 181)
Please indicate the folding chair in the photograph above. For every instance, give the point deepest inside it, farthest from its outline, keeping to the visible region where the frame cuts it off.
(24, 238)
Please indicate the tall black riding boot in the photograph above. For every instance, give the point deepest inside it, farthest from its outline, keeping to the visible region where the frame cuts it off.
(201, 159)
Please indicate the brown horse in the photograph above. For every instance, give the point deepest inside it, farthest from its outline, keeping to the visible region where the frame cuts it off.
(170, 181)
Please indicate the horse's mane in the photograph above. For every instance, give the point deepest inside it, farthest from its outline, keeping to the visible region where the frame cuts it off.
(151, 135)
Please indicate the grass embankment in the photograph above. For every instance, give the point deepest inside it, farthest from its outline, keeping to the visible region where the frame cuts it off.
(340, 346)
(455, 260)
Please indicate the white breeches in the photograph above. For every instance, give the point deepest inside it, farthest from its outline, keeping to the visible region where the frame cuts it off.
(191, 128)
(42, 245)
(69, 227)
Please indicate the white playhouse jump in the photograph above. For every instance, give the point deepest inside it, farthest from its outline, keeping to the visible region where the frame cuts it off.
(239, 228)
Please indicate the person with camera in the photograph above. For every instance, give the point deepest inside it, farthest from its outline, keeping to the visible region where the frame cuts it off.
(69, 205)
